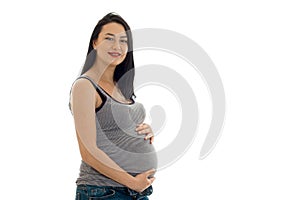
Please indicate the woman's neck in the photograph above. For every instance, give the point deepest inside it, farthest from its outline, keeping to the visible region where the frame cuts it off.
(101, 72)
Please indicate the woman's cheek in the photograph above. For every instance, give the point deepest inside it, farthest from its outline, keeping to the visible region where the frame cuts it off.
(123, 58)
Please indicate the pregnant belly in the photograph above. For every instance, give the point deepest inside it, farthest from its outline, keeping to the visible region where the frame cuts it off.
(131, 152)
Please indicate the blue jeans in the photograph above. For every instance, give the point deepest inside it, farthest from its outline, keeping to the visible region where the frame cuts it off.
(92, 192)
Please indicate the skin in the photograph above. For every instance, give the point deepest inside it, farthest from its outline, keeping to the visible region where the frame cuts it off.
(84, 100)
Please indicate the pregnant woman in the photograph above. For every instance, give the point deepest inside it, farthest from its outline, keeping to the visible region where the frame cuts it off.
(118, 157)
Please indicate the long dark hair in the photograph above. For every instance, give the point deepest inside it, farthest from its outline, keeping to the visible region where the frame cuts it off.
(125, 83)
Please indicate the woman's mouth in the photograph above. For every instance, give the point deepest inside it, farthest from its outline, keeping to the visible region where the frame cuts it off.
(114, 54)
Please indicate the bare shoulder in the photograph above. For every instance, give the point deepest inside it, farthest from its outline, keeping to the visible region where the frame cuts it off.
(82, 93)
(82, 84)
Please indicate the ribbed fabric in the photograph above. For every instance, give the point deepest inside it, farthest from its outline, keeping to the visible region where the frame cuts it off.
(116, 136)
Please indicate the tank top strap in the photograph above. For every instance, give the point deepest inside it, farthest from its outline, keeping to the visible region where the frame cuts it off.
(101, 93)
(98, 89)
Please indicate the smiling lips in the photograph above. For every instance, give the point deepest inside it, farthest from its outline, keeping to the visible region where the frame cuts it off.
(114, 54)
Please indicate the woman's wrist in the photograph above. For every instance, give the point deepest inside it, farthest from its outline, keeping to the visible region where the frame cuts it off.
(130, 181)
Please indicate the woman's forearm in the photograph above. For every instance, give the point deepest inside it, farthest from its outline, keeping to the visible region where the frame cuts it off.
(100, 161)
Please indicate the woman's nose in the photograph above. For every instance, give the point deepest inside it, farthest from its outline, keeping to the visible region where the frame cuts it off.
(116, 45)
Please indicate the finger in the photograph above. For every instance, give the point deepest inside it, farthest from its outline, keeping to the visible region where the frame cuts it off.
(148, 136)
(142, 131)
(142, 124)
(151, 179)
(145, 131)
(140, 127)
(151, 139)
(151, 171)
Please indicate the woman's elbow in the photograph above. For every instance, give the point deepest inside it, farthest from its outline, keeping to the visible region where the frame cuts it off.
(86, 155)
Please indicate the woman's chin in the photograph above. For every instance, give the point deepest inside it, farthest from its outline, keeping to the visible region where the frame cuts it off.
(114, 62)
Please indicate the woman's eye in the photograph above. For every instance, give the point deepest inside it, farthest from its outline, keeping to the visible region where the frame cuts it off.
(124, 41)
(110, 39)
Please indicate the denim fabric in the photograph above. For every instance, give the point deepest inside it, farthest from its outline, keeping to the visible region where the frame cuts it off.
(92, 192)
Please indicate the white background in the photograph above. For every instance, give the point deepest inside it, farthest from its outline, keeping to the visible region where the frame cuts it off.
(255, 46)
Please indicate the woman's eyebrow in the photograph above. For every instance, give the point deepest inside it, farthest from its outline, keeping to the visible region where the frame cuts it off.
(109, 34)
(124, 36)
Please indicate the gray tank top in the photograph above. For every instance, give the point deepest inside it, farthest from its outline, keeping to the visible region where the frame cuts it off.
(116, 136)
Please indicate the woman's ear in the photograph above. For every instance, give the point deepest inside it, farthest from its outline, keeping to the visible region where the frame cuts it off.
(94, 44)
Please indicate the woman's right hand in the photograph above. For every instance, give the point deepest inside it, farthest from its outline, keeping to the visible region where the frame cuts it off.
(143, 181)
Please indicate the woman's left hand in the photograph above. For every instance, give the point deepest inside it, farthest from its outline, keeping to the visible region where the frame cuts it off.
(145, 129)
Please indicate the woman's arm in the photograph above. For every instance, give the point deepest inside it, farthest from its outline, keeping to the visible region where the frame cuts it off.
(83, 103)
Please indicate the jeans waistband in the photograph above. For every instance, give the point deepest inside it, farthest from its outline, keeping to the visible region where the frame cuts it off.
(148, 191)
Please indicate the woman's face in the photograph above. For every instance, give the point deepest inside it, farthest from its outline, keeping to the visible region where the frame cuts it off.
(111, 44)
